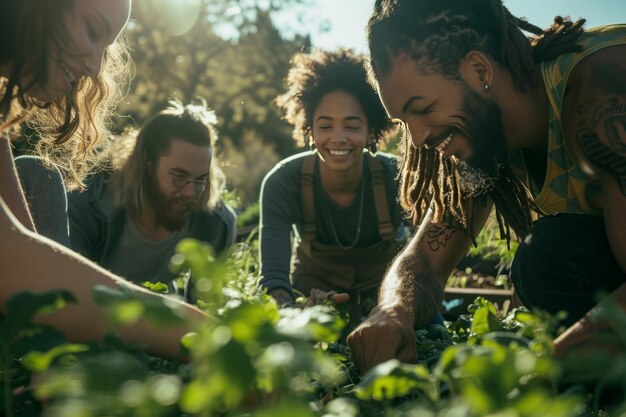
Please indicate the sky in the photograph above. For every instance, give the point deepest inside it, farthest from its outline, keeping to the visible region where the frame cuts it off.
(347, 18)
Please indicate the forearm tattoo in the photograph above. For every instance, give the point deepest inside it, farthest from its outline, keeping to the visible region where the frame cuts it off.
(601, 136)
(437, 236)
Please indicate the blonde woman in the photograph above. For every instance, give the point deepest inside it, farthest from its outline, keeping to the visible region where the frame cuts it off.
(57, 71)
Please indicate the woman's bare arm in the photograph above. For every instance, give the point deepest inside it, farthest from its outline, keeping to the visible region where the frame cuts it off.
(30, 262)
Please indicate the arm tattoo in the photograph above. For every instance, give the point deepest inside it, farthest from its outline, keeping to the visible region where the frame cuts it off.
(437, 236)
(607, 120)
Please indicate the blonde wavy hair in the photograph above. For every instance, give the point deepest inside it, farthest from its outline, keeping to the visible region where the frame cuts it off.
(69, 132)
(133, 152)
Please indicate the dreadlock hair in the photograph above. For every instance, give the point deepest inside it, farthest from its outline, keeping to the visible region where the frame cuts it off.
(313, 75)
(437, 35)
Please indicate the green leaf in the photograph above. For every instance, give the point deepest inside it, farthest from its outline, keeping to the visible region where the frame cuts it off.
(40, 361)
(125, 306)
(41, 338)
(287, 408)
(156, 287)
(392, 379)
(23, 307)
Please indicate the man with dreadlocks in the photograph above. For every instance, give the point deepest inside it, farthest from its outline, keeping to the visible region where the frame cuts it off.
(533, 126)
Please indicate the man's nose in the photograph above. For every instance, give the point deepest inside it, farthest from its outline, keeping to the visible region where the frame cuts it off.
(189, 190)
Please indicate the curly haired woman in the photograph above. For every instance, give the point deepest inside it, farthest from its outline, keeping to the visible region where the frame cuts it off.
(340, 196)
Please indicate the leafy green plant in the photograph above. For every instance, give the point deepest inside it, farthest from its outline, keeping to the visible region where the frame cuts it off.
(491, 247)
(252, 358)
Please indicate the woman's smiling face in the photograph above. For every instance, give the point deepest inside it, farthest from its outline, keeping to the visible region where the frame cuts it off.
(90, 26)
(340, 130)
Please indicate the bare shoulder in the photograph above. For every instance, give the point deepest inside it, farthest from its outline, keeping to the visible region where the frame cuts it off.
(594, 113)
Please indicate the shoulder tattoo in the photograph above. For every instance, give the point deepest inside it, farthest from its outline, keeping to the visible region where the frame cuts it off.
(437, 236)
(601, 136)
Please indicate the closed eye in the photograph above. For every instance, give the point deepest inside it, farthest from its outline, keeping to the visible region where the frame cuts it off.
(421, 112)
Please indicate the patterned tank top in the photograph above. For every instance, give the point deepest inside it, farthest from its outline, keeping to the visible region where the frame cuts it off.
(567, 189)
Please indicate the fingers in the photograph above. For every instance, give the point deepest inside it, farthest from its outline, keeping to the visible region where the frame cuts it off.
(367, 351)
(408, 352)
(340, 298)
(380, 338)
(318, 296)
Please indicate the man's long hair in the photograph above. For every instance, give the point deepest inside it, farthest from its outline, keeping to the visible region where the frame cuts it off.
(437, 35)
(135, 152)
(67, 131)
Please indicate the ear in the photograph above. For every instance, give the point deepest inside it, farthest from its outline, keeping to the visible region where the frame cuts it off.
(476, 69)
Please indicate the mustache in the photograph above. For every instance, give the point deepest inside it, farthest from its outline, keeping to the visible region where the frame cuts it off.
(185, 201)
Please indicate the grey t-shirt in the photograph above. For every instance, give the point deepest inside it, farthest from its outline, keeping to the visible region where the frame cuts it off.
(140, 259)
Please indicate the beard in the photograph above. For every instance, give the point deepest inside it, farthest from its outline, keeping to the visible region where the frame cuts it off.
(170, 211)
(479, 174)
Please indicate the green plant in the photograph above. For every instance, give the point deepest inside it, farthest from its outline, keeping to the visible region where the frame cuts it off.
(251, 358)
(491, 247)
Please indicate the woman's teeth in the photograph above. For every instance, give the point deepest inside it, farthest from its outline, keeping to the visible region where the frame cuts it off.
(337, 152)
(442, 146)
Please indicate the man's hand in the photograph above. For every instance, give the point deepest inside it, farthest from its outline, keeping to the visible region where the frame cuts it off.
(283, 297)
(386, 334)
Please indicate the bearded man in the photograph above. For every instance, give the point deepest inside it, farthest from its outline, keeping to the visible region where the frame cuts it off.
(164, 186)
(535, 127)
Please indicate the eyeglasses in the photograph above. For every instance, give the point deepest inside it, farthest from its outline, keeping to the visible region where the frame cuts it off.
(181, 182)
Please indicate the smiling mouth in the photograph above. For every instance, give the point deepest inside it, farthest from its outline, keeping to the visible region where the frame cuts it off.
(339, 152)
(444, 144)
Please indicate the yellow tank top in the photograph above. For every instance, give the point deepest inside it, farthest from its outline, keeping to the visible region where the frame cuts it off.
(567, 189)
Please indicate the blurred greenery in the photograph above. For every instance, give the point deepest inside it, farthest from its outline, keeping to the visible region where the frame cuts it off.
(180, 50)
(252, 358)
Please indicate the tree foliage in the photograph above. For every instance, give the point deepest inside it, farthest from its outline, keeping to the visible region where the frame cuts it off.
(227, 52)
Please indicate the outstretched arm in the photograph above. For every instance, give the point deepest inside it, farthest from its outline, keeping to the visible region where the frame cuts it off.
(411, 293)
(30, 262)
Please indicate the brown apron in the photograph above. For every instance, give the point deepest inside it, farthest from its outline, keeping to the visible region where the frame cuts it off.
(357, 271)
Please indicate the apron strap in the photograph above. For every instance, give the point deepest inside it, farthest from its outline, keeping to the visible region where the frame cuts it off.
(385, 228)
(308, 206)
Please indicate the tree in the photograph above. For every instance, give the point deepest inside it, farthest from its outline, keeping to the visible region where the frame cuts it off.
(178, 53)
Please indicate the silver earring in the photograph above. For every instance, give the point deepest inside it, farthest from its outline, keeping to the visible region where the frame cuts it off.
(486, 87)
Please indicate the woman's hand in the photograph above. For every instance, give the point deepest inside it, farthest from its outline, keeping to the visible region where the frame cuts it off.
(284, 299)
(319, 296)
